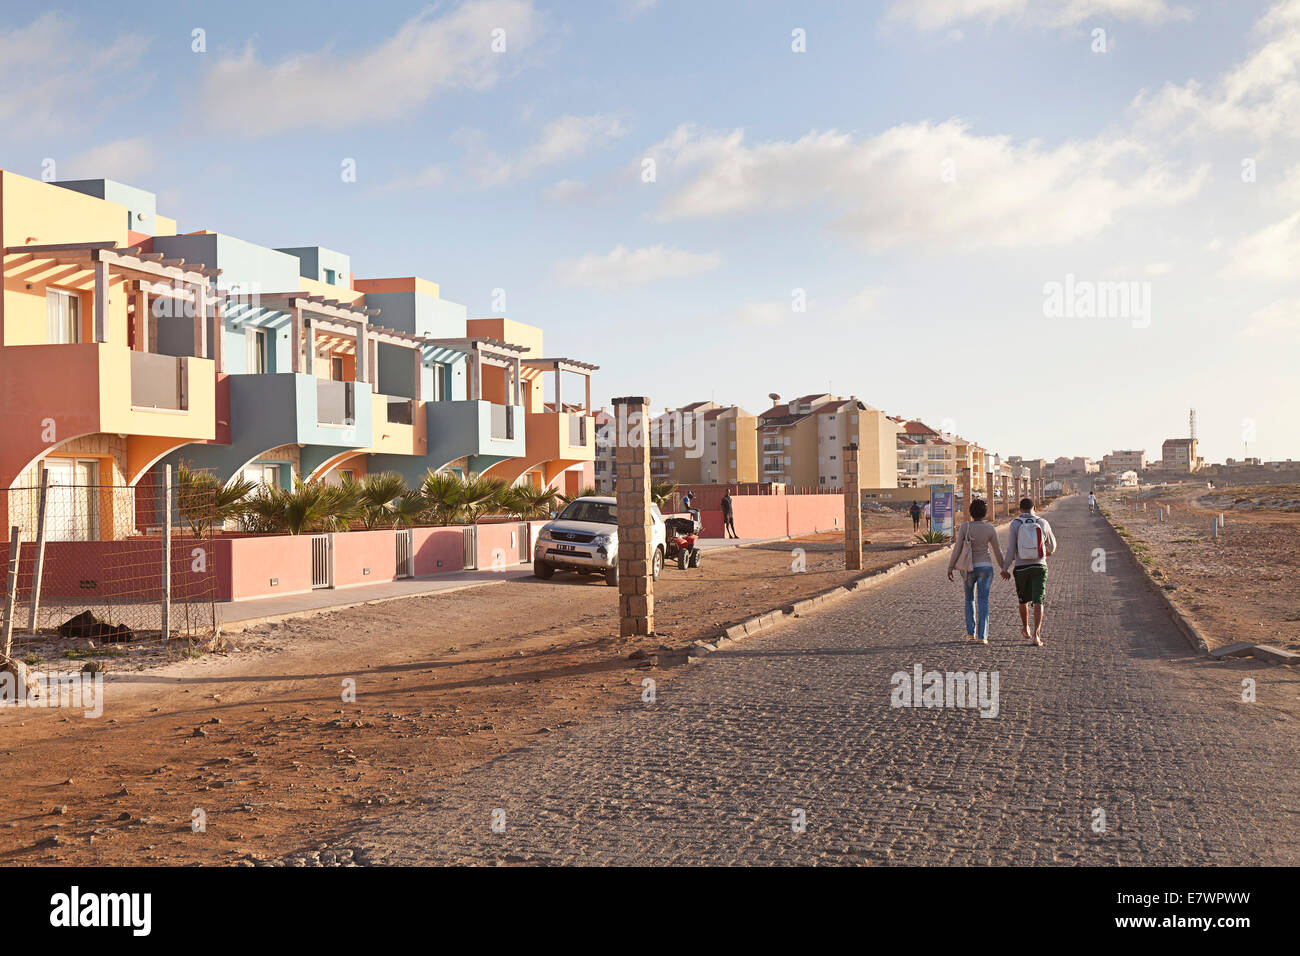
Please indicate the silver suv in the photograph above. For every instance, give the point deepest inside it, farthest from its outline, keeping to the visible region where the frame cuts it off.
(584, 538)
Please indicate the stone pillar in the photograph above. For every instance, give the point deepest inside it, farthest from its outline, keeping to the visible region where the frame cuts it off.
(988, 495)
(1006, 495)
(636, 597)
(965, 496)
(852, 510)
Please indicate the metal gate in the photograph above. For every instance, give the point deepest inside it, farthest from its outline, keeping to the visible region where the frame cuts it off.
(322, 566)
(403, 552)
(470, 561)
(525, 552)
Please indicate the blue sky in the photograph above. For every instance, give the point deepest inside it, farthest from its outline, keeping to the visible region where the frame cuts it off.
(917, 177)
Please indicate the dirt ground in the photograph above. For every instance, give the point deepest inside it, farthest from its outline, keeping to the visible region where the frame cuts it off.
(261, 741)
(1243, 587)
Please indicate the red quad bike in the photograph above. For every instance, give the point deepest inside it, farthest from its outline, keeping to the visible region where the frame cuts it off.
(681, 535)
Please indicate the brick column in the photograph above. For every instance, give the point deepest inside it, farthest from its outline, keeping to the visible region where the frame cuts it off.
(852, 510)
(636, 597)
(965, 496)
(988, 494)
(1006, 495)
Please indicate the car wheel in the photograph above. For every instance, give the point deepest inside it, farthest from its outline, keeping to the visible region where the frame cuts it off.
(695, 557)
(657, 567)
(542, 570)
(611, 576)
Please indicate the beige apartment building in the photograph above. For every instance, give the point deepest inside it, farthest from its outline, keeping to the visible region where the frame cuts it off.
(1120, 461)
(1179, 454)
(923, 455)
(704, 443)
(801, 443)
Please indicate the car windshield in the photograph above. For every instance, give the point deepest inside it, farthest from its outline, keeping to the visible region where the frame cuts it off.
(600, 512)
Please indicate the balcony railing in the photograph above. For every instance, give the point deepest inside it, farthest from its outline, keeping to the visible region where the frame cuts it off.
(401, 411)
(158, 381)
(335, 402)
(503, 422)
(578, 431)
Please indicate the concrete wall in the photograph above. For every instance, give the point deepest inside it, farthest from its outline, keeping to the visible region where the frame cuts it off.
(777, 516)
(141, 206)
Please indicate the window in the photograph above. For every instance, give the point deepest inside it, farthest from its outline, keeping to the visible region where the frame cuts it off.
(733, 446)
(62, 317)
(73, 507)
(347, 474)
(261, 473)
(336, 367)
(329, 276)
(439, 382)
(258, 353)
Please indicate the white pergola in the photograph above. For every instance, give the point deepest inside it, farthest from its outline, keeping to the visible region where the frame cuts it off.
(147, 274)
(559, 366)
(492, 352)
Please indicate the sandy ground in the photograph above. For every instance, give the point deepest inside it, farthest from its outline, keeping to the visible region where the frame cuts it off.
(1244, 586)
(263, 744)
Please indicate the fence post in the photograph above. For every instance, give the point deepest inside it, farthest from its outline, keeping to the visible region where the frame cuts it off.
(34, 608)
(167, 553)
(11, 591)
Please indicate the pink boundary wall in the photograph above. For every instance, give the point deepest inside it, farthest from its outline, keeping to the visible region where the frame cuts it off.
(778, 516)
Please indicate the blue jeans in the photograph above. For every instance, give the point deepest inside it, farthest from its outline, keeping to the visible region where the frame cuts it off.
(977, 584)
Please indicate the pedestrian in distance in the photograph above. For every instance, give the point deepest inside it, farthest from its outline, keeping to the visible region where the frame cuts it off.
(1092, 502)
(926, 513)
(1030, 542)
(728, 517)
(974, 551)
(915, 512)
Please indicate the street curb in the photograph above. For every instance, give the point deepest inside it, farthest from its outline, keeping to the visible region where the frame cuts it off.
(1185, 626)
(770, 619)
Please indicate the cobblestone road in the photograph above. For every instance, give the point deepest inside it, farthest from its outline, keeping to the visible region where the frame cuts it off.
(1114, 714)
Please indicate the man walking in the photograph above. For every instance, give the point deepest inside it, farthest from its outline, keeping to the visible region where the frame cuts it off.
(925, 513)
(1030, 543)
(1092, 502)
(915, 512)
(728, 518)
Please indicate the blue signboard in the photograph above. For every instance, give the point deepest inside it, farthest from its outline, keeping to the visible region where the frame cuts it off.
(941, 508)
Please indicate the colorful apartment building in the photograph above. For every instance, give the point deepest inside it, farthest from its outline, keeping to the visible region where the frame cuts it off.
(924, 456)
(704, 443)
(801, 443)
(125, 346)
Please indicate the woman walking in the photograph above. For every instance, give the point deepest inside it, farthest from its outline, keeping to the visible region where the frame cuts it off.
(973, 552)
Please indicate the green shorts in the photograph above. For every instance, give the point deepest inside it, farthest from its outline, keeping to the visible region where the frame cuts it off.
(1031, 583)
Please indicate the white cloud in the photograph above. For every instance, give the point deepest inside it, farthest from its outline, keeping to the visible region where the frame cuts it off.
(1259, 98)
(427, 178)
(1274, 321)
(562, 140)
(623, 266)
(922, 183)
(329, 89)
(857, 309)
(121, 159)
(1154, 269)
(1272, 253)
(937, 14)
(50, 74)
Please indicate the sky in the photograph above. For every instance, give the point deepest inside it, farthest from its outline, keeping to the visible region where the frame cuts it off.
(1053, 226)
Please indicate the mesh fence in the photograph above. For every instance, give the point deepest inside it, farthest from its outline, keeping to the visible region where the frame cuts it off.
(97, 577)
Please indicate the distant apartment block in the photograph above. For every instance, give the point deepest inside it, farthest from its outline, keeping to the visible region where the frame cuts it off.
(801, 443)
(1074, 466)
(923, 455)
(1179, 454)
(1120, 461)
(704, 443)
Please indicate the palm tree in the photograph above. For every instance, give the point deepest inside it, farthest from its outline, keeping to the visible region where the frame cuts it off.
(587, 492)
(311, 507)
(376, 496)
(528, 501)
(662, 491)
(483, 496)
(204, 503)
(410, 509)
(441, 491)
